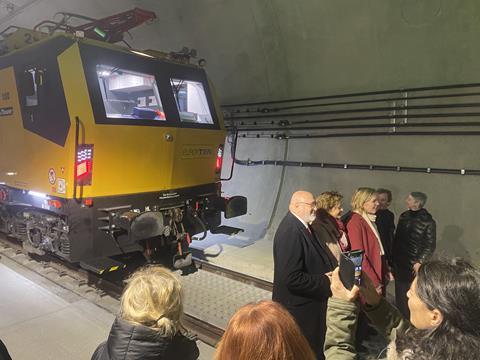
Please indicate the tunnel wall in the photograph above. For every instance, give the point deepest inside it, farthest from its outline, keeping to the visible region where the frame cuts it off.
(268, 50)
(452, 198)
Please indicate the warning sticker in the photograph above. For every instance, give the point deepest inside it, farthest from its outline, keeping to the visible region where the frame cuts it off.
(52, 177)
(61, 186)
(6, 111)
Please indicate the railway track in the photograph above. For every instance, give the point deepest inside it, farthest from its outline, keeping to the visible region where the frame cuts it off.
(106, 292)
(234, 275)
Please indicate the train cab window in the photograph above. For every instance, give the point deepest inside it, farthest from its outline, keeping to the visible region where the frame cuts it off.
(191, 101)
(129, 94)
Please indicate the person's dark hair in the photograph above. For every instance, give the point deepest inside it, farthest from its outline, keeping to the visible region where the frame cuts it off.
(385, 191)
(453, 288)
(420, 197)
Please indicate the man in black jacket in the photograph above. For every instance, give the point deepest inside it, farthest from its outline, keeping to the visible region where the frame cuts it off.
(4, 355)
(300, 265)
(385, 222)
(415, 242)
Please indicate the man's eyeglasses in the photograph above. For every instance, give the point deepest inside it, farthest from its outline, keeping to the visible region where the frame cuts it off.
(312, 204)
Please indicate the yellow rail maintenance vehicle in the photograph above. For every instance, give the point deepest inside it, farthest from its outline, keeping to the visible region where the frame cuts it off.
(106, 150)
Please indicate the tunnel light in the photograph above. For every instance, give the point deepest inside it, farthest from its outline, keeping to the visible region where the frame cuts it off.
(100, 32)
(142, 54)
(11, 173)
(37, 194)
(218, 165)
(84, 164)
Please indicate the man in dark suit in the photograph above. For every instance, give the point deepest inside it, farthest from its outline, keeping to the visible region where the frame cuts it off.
(4, 355)
(385, 222)
(300, 265)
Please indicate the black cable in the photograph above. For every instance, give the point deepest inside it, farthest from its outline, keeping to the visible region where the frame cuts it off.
(363, 118)
(278, 109)
(370, 167)
(381, 92)
(202, 224)
(350, 111)
(233, 151)
(361, 126)
(360, 134)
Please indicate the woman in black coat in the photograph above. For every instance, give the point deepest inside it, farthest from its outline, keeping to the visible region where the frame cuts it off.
(149, 325)
(327, 225)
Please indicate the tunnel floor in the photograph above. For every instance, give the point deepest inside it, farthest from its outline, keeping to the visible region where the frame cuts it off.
(237, 253)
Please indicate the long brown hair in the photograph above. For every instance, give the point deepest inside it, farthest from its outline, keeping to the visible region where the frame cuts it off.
(263, 331)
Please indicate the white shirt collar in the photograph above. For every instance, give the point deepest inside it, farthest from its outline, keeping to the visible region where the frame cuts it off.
(368, 218)
(303, 222)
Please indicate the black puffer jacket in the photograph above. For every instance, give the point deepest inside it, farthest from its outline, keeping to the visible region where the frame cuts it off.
(4, 355)
(415, 239)
(129, 341)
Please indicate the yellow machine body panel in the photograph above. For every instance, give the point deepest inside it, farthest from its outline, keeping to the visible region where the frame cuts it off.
(138, 159)
(127, 159)
(28, 162)
(194, 155)
(134, 159)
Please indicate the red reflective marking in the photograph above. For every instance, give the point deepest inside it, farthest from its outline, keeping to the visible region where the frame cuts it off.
(88, 202)
(84, 168)
(55, 203)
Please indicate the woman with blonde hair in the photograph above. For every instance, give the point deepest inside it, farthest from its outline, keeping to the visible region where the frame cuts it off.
(327, 225)
(149, 324)
(363, 235)
(263, 331)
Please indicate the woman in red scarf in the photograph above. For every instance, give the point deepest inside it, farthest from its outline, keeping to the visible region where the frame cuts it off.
(327, 225)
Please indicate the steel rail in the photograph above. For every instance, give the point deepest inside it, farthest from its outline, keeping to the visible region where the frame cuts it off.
(206, 332)
(234, 275)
